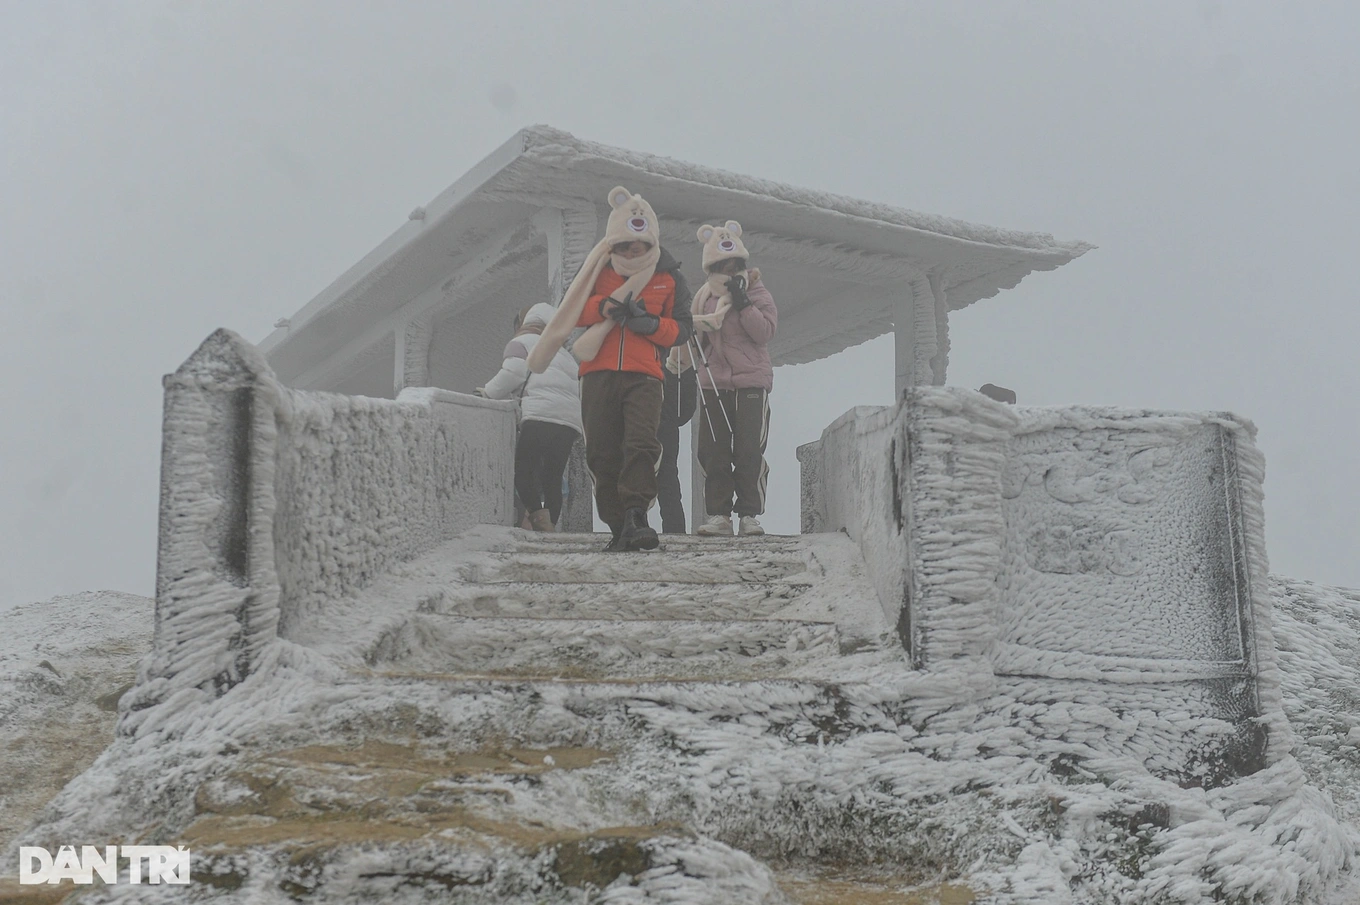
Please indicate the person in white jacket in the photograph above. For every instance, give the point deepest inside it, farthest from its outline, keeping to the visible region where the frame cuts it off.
(550, 416)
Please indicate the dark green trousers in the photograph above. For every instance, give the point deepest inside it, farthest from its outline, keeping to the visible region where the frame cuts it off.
(620, 411)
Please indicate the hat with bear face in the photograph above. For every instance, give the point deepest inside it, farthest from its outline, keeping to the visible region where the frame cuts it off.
(721, 243)
(631, 219)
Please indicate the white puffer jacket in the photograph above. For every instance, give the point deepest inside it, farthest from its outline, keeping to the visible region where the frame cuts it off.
(553, 396)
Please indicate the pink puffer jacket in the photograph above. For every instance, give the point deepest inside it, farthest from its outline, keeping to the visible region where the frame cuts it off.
(738, 353)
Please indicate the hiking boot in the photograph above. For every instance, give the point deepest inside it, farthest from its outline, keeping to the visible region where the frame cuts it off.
(615, 544)
(541, 520)
(750, 526)
(716, 526)
(637, 534)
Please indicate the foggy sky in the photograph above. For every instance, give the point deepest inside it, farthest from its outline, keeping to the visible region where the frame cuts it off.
(169, 168)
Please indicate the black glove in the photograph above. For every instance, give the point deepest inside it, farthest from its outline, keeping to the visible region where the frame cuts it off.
(636, 307)
(639, 320)
(643, 324)
(622, 309)
(736, 287)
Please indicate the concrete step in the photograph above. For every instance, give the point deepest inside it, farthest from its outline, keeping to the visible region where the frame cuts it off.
(826, 703)
(585, 648)
(626, 600)
(546, 542)
(732, 691)
(715, 567)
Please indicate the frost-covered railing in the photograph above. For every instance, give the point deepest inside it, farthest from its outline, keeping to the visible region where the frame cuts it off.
(274, 500)
(1058, 545)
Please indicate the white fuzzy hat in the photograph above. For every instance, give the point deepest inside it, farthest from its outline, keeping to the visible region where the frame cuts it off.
(539, 314)
(631, 219)
(721, 243)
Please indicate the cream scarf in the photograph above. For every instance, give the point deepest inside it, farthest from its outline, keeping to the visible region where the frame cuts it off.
(681, 358)
(638, 273)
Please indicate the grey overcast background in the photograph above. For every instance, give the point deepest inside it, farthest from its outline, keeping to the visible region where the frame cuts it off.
(169, 168)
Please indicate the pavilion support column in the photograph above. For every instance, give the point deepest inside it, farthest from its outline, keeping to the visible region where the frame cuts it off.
(411, 364)
(904, 342)
(569, 234)
(399, 359)
(550, 221)
(939, 362)
(915, 333)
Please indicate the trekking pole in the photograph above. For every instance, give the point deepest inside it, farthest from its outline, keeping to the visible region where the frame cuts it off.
(703, 406)
(704, 358)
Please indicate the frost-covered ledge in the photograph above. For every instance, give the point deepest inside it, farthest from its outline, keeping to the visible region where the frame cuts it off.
(844, 476)
(274, 499)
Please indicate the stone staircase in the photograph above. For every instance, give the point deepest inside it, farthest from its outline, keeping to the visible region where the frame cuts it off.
(528, 607)
(533, 695)
(557, 608)
(521, 719)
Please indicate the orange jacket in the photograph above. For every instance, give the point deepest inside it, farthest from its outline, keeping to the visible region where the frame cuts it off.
(624, 350)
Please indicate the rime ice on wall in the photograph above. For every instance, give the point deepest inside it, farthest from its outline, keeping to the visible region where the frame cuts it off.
(916, 487)
(366, 483)
(216, 590)
(1124, 543)
(273, 499)
(1070, 546)
(955, 441)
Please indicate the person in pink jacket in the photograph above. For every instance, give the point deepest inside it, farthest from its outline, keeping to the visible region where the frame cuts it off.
(734, 320)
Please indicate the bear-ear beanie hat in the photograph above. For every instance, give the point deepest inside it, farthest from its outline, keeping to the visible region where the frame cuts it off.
(721, 243)
(630, 219)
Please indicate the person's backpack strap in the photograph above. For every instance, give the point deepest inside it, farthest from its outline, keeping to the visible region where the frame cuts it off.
(519, 394)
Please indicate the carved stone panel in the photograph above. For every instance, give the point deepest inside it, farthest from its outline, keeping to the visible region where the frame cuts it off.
(1124, 543)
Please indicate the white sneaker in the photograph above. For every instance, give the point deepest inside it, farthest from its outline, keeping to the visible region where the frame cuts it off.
(750, 526)
(716, 526)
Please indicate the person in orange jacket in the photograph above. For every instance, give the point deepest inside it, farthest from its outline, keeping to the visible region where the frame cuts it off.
(625, 296)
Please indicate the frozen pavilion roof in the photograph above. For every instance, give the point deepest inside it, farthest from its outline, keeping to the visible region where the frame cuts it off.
(817, 249)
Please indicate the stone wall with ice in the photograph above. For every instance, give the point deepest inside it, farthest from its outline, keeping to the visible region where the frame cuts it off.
(363, 484)
(274, 499)
(1077, 554)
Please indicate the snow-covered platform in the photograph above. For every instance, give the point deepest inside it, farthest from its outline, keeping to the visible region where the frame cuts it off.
(1038, 664)
(668, 754)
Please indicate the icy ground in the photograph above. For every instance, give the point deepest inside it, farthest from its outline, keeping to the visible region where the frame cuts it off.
(64, 664)
(761, 743)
